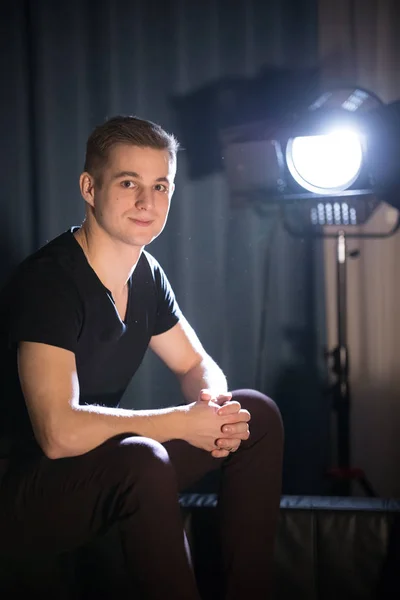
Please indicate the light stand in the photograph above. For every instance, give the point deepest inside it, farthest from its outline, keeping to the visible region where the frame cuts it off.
(342, 473)
(340, 391)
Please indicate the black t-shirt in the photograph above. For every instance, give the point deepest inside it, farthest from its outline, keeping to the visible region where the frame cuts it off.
(56, 298)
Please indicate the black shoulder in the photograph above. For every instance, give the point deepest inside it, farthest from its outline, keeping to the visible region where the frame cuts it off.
(168, 310)
(41, 303)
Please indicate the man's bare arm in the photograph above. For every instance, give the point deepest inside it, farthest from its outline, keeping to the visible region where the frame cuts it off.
(50, 386)
(201, 378)
(63, 428)
(181, 350)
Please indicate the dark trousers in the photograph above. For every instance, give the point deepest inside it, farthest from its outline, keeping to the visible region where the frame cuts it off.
(133, 482)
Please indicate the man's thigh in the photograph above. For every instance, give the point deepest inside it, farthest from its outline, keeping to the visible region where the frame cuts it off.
(58, 505)
(191, 464)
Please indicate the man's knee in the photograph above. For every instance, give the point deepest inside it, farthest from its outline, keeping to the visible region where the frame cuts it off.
(141, 459)
(265, 414)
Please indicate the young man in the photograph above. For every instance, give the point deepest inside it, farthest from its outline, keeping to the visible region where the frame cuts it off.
(75, 322)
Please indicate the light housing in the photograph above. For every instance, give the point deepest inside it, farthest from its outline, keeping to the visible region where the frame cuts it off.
(338, 158)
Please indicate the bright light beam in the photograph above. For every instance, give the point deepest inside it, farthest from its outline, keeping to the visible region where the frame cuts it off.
(325, 164)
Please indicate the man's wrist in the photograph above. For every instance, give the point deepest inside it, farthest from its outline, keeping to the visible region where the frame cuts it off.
(179, 422)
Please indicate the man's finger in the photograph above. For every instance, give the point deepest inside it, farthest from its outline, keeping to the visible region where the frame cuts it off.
(208, 398)
(236, 430)
(227, 443)
(229, 408)
(235, 417)
(224, 398)
(205, 395)
(217, 453)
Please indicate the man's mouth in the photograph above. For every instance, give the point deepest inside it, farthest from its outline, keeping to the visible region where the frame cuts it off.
(141, 222)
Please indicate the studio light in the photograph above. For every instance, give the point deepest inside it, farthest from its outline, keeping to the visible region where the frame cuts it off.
(325, 164)
(332, 164)
(327, 169)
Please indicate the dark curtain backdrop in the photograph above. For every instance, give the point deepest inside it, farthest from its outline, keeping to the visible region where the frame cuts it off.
(66, 66)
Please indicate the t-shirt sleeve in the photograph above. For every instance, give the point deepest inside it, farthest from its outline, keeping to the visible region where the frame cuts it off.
(45, 307)
(168, 311)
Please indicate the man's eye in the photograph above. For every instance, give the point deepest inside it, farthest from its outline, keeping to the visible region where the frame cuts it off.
(161, 188)
(127, 184)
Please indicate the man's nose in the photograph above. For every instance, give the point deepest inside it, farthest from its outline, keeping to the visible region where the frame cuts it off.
(145, 199)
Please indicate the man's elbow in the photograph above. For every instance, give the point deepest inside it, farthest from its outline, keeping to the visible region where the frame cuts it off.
(57, 443)
(54, 449)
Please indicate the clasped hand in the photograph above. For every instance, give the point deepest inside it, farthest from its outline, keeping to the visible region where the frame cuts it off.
(220, 423)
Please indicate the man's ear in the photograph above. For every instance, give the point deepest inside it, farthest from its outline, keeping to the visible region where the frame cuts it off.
(86, 184)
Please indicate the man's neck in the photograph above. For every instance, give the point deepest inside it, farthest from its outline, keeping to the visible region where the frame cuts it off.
(112, 261)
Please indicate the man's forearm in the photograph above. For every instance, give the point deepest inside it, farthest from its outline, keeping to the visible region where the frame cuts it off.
(206, 375)
(89, 426)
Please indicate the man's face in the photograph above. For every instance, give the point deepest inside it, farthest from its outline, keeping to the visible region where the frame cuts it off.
(133, 201)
